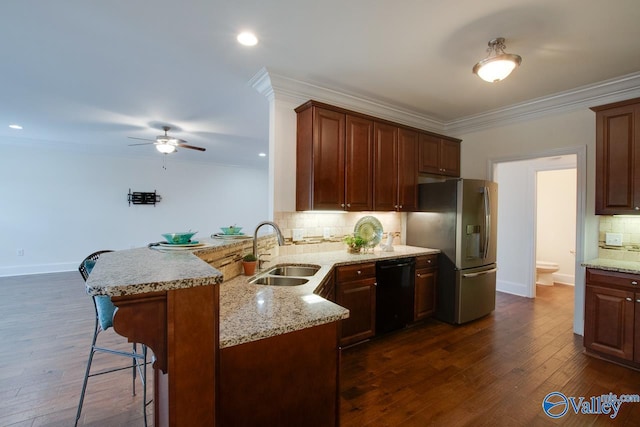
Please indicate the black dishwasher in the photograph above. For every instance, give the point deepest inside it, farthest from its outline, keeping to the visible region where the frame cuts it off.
(394, 293)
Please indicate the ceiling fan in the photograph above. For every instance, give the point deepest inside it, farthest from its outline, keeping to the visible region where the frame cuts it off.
(167, 144)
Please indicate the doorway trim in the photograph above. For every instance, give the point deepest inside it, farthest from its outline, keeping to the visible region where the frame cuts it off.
(581, 195)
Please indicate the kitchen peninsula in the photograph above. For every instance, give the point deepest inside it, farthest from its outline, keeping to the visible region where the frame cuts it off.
(269, 340)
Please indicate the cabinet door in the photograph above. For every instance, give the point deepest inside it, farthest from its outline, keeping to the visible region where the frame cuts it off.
(359, 164)
(385, 161)
(450, 158)
(429, 154)
(407, 170)
(360, 298)
(636, 339)
(328, 159)
(425, 293)
(609, 318)
(617, 157)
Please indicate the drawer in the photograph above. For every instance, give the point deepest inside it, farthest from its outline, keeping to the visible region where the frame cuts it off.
(427, 261)
(348, 273)
(613, 278)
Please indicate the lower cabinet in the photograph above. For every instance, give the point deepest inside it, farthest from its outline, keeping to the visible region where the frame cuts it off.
(425, 287)
(356, 291)
(612, 316)
(286, 380)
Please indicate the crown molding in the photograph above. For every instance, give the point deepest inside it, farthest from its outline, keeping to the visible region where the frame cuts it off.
(272, 85)
(612, 90)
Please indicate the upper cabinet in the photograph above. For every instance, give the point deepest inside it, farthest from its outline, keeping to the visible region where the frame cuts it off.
(354, 162)
(439, 156)
(618, 158)
(334, 167)
(395, 168)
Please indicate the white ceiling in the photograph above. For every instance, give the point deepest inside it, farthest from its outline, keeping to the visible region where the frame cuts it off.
(87, 74)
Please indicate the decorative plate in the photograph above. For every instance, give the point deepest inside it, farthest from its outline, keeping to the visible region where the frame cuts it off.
(190, 243)
(370, 229)
(240, 236)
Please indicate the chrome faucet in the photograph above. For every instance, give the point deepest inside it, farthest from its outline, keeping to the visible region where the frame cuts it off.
(255, 236)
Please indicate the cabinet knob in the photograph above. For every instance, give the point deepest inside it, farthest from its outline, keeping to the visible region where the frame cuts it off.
(395, 206)
(633, 282)
(342, 205)
(637, 208)
(400, 206)
(348, 205)
(419, 275)
(428, 261)
(358, 272)
(638, 300)
(628, 299)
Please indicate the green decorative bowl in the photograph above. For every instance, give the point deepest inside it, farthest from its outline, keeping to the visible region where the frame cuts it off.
(231, 230)
(179, 238)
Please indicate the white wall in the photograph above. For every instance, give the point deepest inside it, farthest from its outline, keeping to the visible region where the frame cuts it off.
(556, 221)
(59, 206)
(533, 138)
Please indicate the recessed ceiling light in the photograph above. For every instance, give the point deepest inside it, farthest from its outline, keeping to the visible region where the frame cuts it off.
(247, 38)
(15, 127)
(262, 154)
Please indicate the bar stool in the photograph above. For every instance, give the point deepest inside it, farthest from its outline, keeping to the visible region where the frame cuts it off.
(104, 310)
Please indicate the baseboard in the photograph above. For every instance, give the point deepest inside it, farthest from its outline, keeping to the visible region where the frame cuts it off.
(565, 279)
(519, 289)
(23, 270)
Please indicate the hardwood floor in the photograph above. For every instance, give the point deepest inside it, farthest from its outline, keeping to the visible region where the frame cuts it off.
(492, 372)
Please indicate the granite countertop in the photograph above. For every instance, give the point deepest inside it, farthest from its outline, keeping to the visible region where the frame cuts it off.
(142, 270)
(248, 312)
(251, 312)
(613, 265)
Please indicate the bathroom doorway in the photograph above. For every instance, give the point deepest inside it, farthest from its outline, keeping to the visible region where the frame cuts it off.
(517, 220)
(555, 254)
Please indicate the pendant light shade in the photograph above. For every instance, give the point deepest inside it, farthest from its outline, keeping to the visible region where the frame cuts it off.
(498, 64)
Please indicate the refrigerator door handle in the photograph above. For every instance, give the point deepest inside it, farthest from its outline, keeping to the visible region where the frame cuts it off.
(487, 220)
(480, 273)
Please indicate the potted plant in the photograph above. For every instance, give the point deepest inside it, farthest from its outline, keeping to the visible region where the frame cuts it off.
(355, 243)
(249, 262)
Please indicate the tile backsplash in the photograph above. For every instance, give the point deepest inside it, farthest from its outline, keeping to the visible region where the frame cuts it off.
(321, 232)
(629, 227)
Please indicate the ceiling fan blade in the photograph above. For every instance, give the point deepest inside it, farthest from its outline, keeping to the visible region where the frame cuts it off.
(192, 147)
(143, 139)
(142, 143)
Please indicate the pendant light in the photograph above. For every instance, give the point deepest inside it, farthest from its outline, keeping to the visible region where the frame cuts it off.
(498, 64)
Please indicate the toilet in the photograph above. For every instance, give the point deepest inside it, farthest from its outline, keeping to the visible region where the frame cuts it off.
(544, 272)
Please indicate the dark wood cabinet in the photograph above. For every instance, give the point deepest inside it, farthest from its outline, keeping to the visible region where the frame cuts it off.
(327, 289)
(356, 291)
(355, 162)
(618, 158)
(395, 168)
(285, 380)
(334, 158)
(438, 156)
(425, 287)
(359, 164)
(612, 316)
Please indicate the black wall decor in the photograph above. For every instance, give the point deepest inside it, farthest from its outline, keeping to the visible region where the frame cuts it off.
(141, 198)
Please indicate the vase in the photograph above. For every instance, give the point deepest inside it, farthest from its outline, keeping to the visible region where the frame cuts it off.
(249, 267)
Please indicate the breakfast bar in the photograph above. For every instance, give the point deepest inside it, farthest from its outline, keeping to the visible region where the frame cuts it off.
(222, 347)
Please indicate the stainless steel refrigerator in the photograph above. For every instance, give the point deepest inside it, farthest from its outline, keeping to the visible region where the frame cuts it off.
(458, 217)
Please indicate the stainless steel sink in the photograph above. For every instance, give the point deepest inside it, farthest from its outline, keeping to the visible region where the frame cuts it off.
(295, 270)
(279, 281)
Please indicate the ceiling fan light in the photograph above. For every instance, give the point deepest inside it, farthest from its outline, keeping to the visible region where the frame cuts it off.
(498, 65)
(165, 148)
